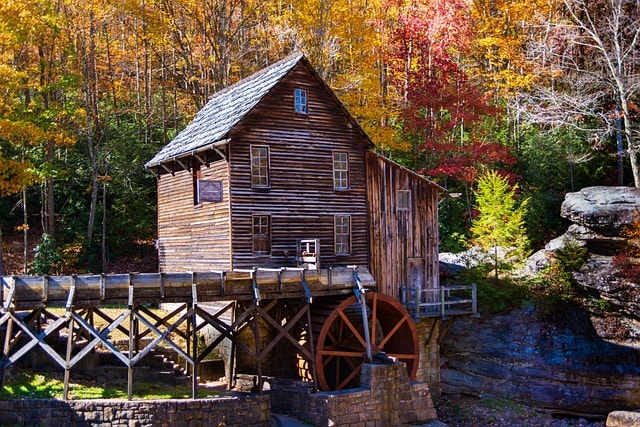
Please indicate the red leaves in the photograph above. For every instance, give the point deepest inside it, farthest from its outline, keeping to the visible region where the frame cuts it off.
(441, 105)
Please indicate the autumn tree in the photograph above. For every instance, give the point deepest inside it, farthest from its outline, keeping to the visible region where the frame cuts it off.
(592, 53)
(442, 110)
(33, 110)
(500, 220)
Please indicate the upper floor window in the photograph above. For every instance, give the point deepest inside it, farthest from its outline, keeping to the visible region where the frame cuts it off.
(340, 170)
(342, 234)
(403, 200)
(261, 234)
(259, 166)
(300, 96)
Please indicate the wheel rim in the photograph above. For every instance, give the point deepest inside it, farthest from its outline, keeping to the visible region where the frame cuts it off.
(340, 340)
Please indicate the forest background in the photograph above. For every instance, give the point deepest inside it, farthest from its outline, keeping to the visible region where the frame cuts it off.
(541, 92)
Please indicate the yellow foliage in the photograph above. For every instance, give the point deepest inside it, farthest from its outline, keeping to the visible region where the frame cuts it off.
(503, 28)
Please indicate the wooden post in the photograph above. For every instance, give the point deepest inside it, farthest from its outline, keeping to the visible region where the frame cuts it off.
(131, 343)
(69, 310)
(5, 351)
(194, 335)
(67, 367)
(232, 350)
(255, 325)
(312, 362)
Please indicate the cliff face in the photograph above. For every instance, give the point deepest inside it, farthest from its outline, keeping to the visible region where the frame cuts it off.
(583, 363)
(568, 368)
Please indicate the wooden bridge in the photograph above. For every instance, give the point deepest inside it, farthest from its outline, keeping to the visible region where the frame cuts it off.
(331, 318)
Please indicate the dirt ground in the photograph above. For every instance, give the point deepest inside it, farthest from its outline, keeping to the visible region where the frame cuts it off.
(469, 411)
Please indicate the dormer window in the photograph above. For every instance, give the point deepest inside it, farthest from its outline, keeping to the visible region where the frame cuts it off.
(300, 96)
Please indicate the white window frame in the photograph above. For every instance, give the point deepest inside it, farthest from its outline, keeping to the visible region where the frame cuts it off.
(340, 170)
(301, 101)
(259, 171)
(339, 235)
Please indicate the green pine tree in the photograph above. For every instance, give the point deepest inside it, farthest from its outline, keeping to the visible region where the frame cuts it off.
(500, 221)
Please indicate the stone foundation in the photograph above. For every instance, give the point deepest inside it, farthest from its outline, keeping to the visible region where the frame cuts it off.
(238, 411)
(386, 398)
(429, 366)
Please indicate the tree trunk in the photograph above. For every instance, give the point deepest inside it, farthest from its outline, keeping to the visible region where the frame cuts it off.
(50, 210)
(3, 272)
(104, 227)
(25, 231)
(632, 148)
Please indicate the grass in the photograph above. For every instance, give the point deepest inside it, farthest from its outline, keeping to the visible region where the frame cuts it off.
(24, 384)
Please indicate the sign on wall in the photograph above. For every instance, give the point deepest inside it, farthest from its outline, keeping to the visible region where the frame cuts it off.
(209, 190)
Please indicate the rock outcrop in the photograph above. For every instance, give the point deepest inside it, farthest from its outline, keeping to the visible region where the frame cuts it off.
(603, 210)
(585, 363)
(564, 369)
(599, 216)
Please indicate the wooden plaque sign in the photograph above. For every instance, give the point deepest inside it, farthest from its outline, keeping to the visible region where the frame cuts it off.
(209, 190)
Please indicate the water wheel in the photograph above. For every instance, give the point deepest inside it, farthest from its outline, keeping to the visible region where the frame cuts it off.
(340, 341)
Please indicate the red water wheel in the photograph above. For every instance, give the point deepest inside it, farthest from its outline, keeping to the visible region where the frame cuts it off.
(340, 341)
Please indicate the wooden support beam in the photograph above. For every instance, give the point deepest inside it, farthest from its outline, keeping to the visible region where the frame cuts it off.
(447, 323)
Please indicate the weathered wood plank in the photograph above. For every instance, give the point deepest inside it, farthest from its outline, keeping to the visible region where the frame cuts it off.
(155, 288)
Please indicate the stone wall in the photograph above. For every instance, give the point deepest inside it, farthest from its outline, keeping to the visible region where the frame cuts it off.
(238, 411)
(429, 366)
(386, 398)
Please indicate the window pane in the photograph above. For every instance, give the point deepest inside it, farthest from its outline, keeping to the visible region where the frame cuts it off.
(300, 101)
(340, 170)
(261, 235)
(259, 166)
(403, 202)
(343, 235)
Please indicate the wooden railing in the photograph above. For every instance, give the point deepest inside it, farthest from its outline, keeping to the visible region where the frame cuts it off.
(440, 302)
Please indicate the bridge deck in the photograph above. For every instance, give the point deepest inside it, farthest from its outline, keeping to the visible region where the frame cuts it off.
(29, 292)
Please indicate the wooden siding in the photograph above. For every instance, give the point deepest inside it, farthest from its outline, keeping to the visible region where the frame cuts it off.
(404, 243)
(193, 238)
(301, 199)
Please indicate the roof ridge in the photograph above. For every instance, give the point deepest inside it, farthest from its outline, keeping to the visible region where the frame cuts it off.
(223, 110)
(257, 74)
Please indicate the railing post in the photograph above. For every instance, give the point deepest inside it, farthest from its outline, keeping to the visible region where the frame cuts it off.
(442, 310)
(474, 298)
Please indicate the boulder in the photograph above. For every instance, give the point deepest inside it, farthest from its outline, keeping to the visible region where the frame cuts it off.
(623, 419)
(605, 210)
(600, 214)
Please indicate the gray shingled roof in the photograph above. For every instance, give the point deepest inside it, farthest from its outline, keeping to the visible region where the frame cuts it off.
(224, 111)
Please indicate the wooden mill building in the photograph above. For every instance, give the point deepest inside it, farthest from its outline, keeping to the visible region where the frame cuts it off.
(274, 171)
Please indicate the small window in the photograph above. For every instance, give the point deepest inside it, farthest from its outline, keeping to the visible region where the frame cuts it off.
(259, 166)
(340, 170)
(261, 232)
(403, 200)
(300, 96)
(342, 234)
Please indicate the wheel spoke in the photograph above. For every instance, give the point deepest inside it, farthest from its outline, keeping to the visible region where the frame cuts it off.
(340, 353)
(347, 380)
(393, 331)
(340, 348)
(352, 328)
